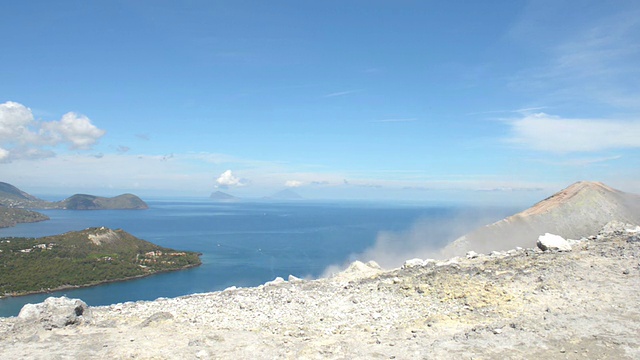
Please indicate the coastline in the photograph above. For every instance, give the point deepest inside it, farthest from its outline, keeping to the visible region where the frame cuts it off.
(67, 287)
(517, 304)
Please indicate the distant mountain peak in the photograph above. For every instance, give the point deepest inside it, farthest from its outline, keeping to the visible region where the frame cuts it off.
(222, 196)
(92, 202)
(9, 191)
(576, 211)
(582, 189)
(582, 186)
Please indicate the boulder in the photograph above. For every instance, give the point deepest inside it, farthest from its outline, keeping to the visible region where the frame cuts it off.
(472, 254)
(275, 281)
(56, 312)
(358, 270)
(551, 242)
(413, 263)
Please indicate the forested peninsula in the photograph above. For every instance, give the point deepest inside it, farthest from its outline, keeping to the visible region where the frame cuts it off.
(82, 258)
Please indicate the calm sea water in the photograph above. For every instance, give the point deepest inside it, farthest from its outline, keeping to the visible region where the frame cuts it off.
(243, 244)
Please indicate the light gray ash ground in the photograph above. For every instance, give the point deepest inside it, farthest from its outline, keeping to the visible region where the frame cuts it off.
(521, 304)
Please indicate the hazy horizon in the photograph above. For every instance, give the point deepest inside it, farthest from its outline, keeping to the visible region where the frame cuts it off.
(473, 198)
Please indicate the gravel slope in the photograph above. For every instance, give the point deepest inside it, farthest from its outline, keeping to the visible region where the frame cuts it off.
(521, 304)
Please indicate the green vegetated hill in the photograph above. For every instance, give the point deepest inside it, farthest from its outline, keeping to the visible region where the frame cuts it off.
(91, 202)
(11, 192)
(11, 217)
(82, 258)
(11, 196)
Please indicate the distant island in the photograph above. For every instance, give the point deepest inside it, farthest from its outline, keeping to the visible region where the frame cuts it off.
(222, 196)
(12, 197)
(91, 202)
(82, 258)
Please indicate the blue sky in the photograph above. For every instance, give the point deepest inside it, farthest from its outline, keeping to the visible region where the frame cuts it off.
(425, 100)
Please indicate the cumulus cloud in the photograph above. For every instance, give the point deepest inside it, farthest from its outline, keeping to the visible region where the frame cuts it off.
(293, 183)
(556, 134)
(73, 129)
(22, 137)
(15, 120)
(227, 179)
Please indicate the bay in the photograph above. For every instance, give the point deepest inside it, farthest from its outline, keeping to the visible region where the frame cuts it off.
(242, 243)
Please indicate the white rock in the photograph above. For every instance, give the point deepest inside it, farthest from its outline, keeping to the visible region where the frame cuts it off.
(573, 242)
(451, 261)
(275, 281)
(634, 230)
(413, 263)
(358, 270)
(294, 278)
(614, 228)
(549, 242)
(472, 255)
(56, 312)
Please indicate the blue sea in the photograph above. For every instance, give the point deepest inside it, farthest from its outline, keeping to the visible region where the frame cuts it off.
(247, 243)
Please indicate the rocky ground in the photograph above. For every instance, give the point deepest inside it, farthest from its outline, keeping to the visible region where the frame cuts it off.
(520, 304)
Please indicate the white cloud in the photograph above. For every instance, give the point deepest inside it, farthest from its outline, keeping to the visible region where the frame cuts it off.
(595, 62)
(227, 179)
(93, 174)
(22, 137)
(4, 154)
(556, 134)
(582, 162)
(15, 120)
(74, 129)
(293, 183)
(340, 93)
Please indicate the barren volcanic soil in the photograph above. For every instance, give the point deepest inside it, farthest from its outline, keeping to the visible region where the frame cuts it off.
(520, 304)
